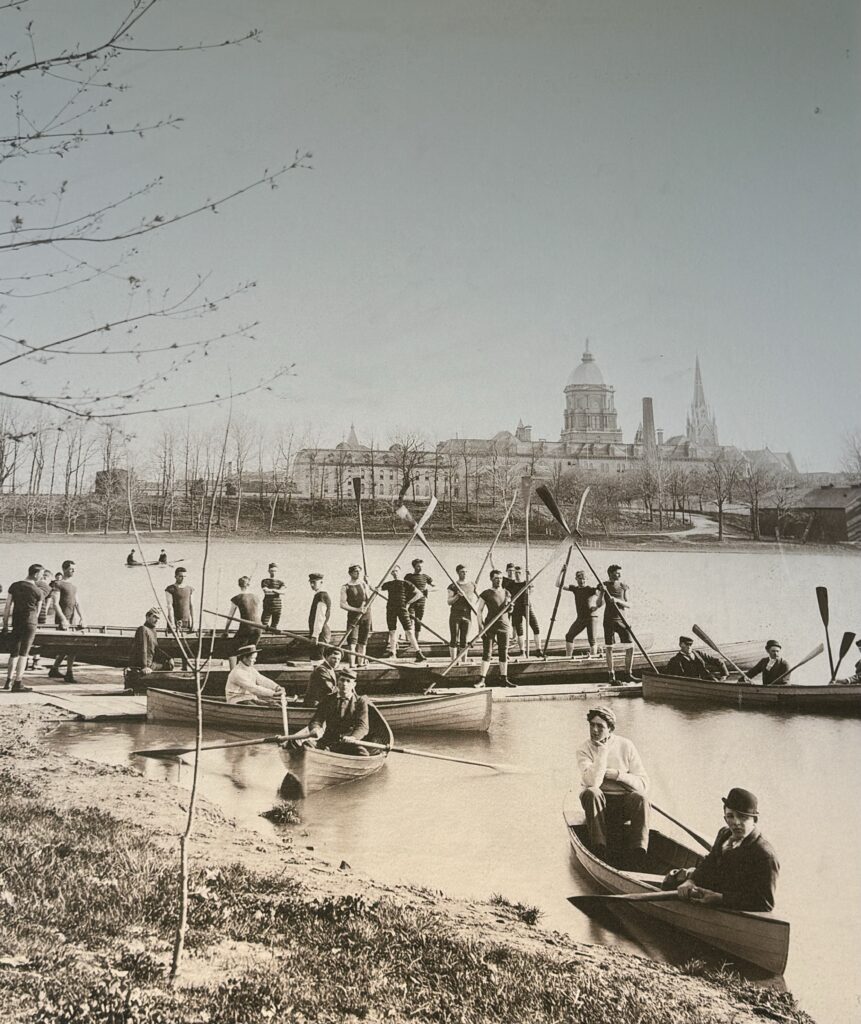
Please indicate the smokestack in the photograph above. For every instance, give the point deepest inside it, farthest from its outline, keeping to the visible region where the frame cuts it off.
(649, 444)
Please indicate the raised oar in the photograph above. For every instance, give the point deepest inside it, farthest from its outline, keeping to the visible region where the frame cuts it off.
(357, 492)
(548, 499)
(585, 899)
(706, 639)
(822, 599)
(813, 654)
(404, 513)
(178, 751)
(496, 538)
(845, 644)
(436, 757)
(561, 586)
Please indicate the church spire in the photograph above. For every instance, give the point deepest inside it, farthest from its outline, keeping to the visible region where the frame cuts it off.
(699, 394)
(701, 425)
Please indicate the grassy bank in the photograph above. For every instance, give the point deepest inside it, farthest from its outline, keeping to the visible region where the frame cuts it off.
(88, 905)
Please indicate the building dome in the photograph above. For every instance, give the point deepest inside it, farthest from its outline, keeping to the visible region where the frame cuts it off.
(587, 373)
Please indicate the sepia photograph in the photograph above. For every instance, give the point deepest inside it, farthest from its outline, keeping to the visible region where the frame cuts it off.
(430, 511)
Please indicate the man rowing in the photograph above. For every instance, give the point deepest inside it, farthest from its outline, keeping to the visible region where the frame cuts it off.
(587, 604)
(740, 871)
(145, 650)
(693, 664)
(423, 584)
(355, 595)
(616, 601)
(340, 718)
(67, 610)
(614, 786)
(855, 679)
(494, 609)
(324, 679)
(400, 596)
(272, 588)
(131, 560)
(773, 669)
(245, 685)
(162, 557)
(462, 599)
(318, 615)
(23, 600)
(520, 607)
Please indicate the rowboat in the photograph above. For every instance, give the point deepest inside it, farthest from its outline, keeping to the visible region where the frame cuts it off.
(756, 937)
(310, 769)
(455, 712)
(843, 699)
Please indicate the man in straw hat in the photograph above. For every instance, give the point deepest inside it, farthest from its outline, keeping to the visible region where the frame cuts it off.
(740, 871)
(614, 789)
(340, 718)
(245, 684)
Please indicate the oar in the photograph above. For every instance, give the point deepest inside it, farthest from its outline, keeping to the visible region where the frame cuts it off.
(694, 835)
(404, 513)
(585, 899)
(548, 499)
(357, 492)
(178, 751)
(845, 644)
(526, 493)
(437, 757)
(706, 639)
(496, 538)
(813, 654)
(561, 586)
(822, 598)
(284, 724)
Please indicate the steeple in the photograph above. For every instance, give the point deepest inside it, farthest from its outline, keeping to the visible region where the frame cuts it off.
(701, 425)
(352, 440)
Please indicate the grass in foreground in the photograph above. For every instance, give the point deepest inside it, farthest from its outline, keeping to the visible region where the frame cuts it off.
(87, 907)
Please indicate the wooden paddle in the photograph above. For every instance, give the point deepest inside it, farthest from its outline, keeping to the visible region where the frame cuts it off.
(438, 757)
(822, 599)
(586, 899)
(178, 751)
(548, 499)
(813, 654)
(845, 644)
(404, 513)
(357, 492)
(561, 586)
(706, 639)
(489, 554)
(694, 835)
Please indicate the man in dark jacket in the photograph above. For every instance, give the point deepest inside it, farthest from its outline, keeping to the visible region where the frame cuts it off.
(740, 872)
(339, 718)
(774, 668)
(693, 664)
(324, 679)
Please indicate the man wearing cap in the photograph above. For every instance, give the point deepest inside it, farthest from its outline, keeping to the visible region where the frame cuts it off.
(355, 595)
(324, 678)
(693, 664)
(774, 669)
(400, 596)
(245, 684)
(272, 588)
(616, 600)
(521, 609)
(319, 615)
(246, 606)
(145, 649)
(614, 789)
(494, 611)
(340, 717)
(587, 602)
(740, 871)
(423, 584)
(462, 598)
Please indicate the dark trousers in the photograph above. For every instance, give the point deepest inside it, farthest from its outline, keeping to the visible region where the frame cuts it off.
(458, 628)
(607, 815)
(340, 747)
(582, 622)
(417, 613)
(501, 645)
(271, 615)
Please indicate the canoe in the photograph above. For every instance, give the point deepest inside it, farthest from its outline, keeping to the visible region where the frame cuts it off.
(758, 938)
(844, 699)
(310, 769)
(456, 712)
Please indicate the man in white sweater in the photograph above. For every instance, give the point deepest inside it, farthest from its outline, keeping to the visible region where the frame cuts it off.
(245, 684)
(614, 797)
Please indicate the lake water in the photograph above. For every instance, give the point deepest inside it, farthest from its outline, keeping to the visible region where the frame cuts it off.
(473, 833)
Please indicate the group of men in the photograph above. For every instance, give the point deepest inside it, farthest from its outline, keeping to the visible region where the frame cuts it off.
(740, 871)
(691, 664)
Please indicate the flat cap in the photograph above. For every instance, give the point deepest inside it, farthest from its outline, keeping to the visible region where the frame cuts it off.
(602, 712)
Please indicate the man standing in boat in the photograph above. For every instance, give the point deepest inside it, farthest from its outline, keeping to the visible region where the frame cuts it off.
(773, 668)
(494, 611)
(340, 718)
(423, 584)
(614, 790)
(692, 664)
(272, 588)
(245, 684)
(587, 604)
(319, 615)
(355, 595)
(740, 871)
(145, 649)
(400, 596)
(247, 607)
(462, 599)
(324, 679)
(66, 610)
(616, 602)
(180, 611)
(520, 598)
(23, 601)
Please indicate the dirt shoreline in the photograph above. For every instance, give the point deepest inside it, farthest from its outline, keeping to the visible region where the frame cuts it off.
(65, 784)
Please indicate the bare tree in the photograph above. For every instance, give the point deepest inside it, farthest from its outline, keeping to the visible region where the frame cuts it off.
(409, 450)
(723, 471)
(756, 479)
(852, 454)
(242, 436)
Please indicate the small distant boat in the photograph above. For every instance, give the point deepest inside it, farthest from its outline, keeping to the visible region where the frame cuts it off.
(156, 563)
(310, 769)
(453, 712)
(839, 699)
(758, 938)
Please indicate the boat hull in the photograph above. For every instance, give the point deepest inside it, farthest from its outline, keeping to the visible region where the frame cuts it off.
(757, 938)
(468, 712)
(835, 699)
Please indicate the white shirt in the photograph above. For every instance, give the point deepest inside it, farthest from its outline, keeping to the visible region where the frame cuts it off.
(593, 761)
(245, 681)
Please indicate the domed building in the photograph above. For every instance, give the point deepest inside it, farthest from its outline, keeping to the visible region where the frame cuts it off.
(590, 409)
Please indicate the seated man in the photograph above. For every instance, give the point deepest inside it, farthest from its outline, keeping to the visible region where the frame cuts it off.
(740, 872)
(694, 664)
(614, 791)
(851, 680)
(324, 679)
(245, 684)
(340, 718)
(774, 669)
(145, 649)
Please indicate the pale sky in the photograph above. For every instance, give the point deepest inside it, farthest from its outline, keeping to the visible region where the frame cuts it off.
(492, 182)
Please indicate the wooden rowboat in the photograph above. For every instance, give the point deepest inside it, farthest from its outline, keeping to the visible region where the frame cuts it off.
(755, 937)
(457, 712)
(844, 699)
(310, 769)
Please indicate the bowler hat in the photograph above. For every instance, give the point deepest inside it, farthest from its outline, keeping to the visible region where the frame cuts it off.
(246, 649)
(602, 712)
(742, 801)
